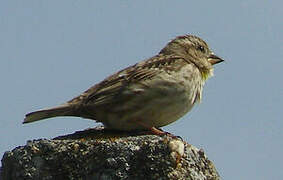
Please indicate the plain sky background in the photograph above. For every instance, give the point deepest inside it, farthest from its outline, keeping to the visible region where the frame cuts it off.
(51, 51)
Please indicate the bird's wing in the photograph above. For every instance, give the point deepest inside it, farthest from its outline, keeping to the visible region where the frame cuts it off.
(106, 91)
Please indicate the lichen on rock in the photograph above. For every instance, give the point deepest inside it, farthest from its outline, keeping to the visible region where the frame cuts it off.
(104, 154)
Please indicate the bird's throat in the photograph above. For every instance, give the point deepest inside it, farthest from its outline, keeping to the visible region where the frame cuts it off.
(205, 74)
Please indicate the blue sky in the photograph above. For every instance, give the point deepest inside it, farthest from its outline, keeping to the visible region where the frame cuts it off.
(51, 51)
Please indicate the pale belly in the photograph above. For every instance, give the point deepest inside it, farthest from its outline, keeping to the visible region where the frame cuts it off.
(160, 106)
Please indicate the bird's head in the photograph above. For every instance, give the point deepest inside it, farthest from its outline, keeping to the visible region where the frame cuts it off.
(194, 50)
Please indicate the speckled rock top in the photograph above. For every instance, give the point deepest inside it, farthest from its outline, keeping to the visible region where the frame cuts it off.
(107, 155)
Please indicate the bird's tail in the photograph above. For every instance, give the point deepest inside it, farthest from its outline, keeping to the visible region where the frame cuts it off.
(63, 110)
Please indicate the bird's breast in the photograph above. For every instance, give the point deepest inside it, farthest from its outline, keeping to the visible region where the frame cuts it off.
(157, 102)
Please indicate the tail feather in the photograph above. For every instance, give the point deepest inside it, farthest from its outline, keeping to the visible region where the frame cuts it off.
(64, 110)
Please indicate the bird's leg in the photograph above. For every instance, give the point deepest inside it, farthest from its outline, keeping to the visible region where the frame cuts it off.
(152, 129)
(156, 131)
(160, 132)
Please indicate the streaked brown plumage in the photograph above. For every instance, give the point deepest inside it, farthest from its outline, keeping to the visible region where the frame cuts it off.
(152, 93)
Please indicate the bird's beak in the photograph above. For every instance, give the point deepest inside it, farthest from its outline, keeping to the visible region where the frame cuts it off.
(213, 59)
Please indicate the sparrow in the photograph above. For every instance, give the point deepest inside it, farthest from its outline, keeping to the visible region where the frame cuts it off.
(148, 95)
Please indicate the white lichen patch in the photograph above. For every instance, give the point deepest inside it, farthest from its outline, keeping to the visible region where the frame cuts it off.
(178, 146)
(177, 149)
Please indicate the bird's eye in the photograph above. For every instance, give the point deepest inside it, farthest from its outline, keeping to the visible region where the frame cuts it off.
(201, 48)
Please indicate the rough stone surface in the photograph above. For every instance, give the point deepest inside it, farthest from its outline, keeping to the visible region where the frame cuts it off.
(107, 155)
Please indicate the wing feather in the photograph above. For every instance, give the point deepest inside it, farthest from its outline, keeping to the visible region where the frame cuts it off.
(106, 91)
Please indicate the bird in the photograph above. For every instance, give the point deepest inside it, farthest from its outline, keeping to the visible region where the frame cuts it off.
(147, 95)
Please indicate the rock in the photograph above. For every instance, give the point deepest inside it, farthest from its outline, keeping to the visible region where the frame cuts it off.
(107, 155)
